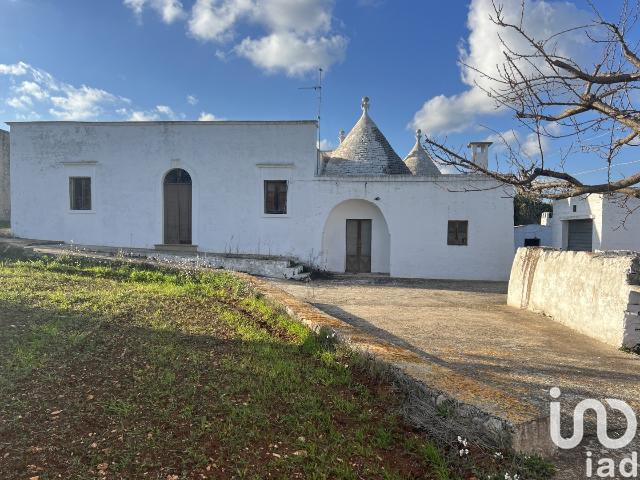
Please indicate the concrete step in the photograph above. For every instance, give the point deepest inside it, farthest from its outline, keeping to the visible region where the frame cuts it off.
(176, 248)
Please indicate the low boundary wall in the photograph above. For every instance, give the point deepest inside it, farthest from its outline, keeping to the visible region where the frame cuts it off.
(597, 294)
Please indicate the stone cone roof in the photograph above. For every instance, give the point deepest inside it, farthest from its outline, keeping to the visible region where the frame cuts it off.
(364, 151)
(419, 161)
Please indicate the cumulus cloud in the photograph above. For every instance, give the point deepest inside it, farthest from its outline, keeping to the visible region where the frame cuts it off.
(526, 145)
(139, 116)
(34, 93)
(61, 100)
(169, 10)
(325, 145)
(207, 117)
(16, 69)
(297, 35)
(483, 50)
(160, 112)
(82, 103)
(21, 103)
(294, 55)
(165, 110)
(192, 100)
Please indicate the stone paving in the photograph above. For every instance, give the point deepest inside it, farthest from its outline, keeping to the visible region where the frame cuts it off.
(467, 328)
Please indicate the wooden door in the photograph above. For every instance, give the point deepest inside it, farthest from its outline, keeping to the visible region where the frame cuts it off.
(177, 209)
(358, 246)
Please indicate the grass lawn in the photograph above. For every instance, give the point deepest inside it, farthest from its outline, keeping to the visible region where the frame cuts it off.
(121, 371)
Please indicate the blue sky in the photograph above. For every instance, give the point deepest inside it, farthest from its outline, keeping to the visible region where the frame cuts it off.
(246, 59)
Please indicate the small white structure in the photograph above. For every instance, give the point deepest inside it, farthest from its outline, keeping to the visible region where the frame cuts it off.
(595, 222)
(533, 235)
(259, 188)
(5, 202)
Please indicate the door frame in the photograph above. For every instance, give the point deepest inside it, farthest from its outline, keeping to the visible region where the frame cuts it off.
(195, 204)
(360, 222)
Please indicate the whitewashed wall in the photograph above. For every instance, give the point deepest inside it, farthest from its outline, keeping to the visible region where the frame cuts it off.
(5, 199)
(523, 232)
(334, 245)
(616, 224)
(228, 162)
(621, 224)
(596, 294)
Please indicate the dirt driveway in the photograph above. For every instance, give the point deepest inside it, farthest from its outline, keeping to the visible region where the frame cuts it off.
(467, 326)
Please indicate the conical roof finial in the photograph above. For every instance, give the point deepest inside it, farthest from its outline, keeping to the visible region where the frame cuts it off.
(418, 159)
(365, 104)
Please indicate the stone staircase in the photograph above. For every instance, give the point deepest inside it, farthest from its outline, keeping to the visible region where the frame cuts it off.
(260, 265)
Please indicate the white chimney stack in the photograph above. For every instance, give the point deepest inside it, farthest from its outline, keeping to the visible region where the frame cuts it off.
(480, 153)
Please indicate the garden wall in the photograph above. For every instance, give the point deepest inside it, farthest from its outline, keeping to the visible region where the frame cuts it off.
(5, 208)
(597, 294)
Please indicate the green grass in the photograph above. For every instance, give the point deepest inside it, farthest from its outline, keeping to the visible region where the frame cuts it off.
(146, 373)
(123, 371)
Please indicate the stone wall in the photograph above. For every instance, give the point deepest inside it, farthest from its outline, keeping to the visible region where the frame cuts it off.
(597, 294)
(5, 209)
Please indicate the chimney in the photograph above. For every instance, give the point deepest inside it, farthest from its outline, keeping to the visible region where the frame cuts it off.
(341, 136)
(480, 153)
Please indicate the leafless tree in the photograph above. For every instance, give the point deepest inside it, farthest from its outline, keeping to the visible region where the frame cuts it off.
(592, 107)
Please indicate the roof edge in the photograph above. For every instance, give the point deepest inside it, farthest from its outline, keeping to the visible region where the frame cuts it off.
(168, 122)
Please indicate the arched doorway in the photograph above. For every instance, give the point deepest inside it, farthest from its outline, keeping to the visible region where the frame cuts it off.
(177, 207)
(356, 239)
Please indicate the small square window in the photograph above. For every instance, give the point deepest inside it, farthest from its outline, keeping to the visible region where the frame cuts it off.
(457, 232)
(275, 197)
(80, 193)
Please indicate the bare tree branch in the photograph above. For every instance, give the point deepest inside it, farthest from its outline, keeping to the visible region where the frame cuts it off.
(594, 106)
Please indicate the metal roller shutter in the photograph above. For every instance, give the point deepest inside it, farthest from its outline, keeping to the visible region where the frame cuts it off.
(580, 235)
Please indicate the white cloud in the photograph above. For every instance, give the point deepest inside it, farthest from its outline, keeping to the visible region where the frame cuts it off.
(160, 112)
(139, 116)
(21, 103)
(40, 94)
(483, 50)
(297, 39)
(32, 89)
(192, 100)
(169, 10)
(292, 54)
(214, 19)
(64, 101)
(16, 69)
(325, 145)
(518, 142)
(298, 16)
(82, 103)
(165, 110)
(207, 117)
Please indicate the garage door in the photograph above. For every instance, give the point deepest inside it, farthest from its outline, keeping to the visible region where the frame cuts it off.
(580, 235)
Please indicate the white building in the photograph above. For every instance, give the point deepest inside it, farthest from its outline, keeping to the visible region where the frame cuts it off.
(259, 188)
(595, 222)
(532, 235)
